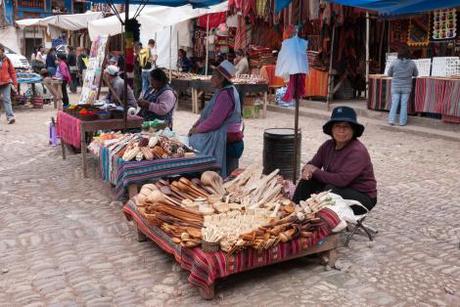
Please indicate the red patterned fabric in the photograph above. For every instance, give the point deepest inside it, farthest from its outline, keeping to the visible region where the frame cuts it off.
(68, 129)
(215, 20)
(296, 87)
(438, 95)
(205, 268)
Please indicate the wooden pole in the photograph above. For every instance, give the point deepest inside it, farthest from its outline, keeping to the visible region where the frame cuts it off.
(207, 47)
(367, 53)
(170, 51)
(297, 106)
(125, 68)
(330, 79)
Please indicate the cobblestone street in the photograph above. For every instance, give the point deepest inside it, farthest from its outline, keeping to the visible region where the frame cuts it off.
(65, 242)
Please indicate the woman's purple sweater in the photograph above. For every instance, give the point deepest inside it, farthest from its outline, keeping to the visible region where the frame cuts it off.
(349, 167)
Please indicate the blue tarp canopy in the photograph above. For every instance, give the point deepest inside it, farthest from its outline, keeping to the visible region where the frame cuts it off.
(194, 3)
(388, 7)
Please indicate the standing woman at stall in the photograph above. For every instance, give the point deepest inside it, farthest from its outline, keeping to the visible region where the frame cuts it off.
(159, 100)
(63, 74)
(218, 130)
(402, 70)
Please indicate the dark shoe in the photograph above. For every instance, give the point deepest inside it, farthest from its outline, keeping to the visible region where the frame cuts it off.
(11, 121)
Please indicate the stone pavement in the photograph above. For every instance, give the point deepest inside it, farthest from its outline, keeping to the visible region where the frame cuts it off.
(65, 242)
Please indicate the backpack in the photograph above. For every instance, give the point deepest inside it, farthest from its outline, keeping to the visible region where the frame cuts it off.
(144, 58)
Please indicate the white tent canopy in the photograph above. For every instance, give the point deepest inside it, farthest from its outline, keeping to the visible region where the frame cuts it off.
(153, 19)
(71, 22)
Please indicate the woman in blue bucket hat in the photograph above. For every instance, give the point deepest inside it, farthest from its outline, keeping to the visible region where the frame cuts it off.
(342, 164)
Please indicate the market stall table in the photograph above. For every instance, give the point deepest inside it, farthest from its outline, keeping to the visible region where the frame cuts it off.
(55, 88)
(205, 268)
(72, 131)
(380, 94)
(203, 83)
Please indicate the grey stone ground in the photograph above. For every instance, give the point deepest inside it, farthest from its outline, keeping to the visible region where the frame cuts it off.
(63, 242)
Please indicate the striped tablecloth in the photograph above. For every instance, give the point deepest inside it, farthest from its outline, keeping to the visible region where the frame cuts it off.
(206, 268)
(380, 95)
(439, 95)
(122, 174)
(68, 129)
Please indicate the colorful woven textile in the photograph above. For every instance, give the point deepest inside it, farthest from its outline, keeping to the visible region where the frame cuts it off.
(205, 268)
(428, 95)
(450, 106)
(439, 95)
(380, 95)
(316, 83)
(68, 129)
(121, 173)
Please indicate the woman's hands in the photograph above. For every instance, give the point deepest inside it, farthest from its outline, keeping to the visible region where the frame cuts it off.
(307, 171)
(143, 103)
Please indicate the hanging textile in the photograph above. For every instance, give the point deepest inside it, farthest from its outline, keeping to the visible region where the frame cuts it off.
(296, 87)
(215, 20)
(243, 34)
(444, 24)
(419, 31)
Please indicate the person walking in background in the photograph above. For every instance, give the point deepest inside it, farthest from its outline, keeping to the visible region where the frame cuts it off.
(8, 82)
(72, 64)
(148, 59)
(81, 65)
(51, 62)
(402, 70)
(137, 73)
(63, 74)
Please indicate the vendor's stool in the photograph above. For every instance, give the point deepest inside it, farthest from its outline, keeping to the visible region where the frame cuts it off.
(359, 225)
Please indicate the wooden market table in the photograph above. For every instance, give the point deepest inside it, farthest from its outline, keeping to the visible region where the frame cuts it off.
(206, 268)
(72, 131)
(205, 85)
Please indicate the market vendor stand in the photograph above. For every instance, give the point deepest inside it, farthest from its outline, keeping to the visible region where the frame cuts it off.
(379, 97)
(205, 268)
(204, 84)
(72, 131)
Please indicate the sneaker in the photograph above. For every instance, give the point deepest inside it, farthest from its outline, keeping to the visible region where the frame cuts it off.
(391, 124)
(11, 121)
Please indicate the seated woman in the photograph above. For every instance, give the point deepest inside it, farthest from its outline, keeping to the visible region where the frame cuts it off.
(218, 130)
(117, 88)
(342, 164)
(159, 100)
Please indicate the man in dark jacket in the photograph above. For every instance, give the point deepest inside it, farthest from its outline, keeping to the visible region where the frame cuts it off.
(72, 63)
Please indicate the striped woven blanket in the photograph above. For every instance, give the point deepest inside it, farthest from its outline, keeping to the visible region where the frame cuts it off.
(122, 173)
(206, 268)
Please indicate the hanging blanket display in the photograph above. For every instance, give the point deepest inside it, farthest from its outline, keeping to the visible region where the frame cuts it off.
(399, 30)
(419, 31)
(444, 24)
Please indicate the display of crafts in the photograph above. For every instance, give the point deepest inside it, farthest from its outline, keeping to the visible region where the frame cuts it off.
(239, 79)
(444, 24)
(142, 146)
(249, 211)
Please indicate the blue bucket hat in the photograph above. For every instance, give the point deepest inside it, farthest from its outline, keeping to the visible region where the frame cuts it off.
(344, 114)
